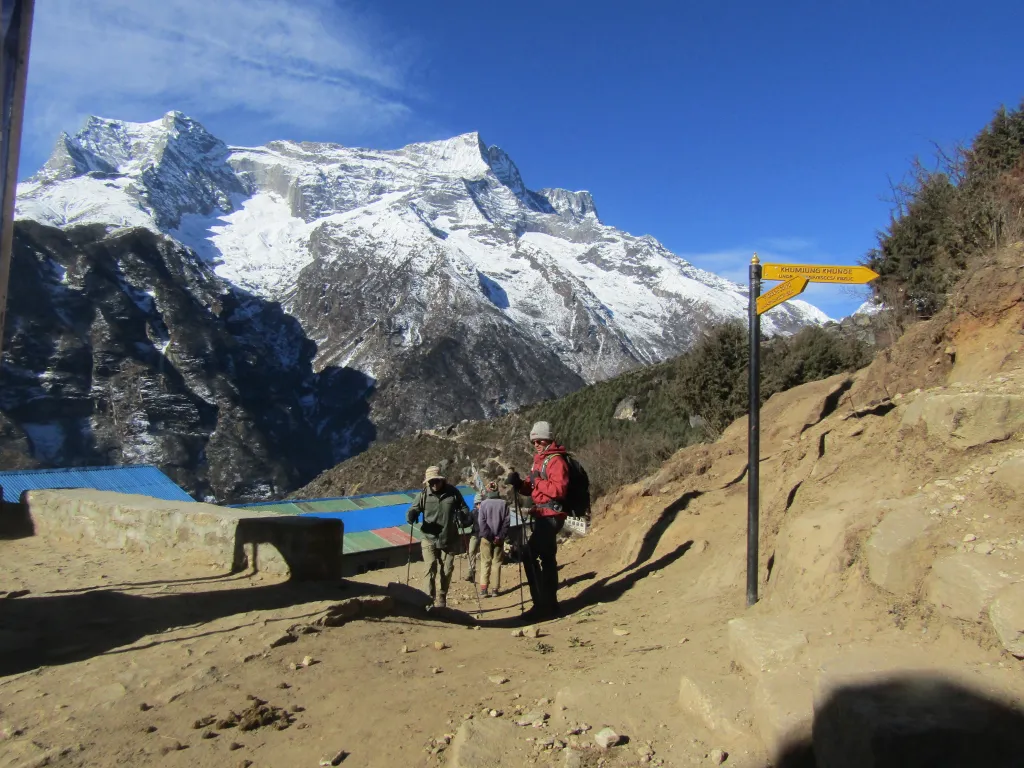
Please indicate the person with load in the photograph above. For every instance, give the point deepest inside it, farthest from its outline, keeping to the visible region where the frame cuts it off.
(444, 511)
(492, 524)
(548, 486)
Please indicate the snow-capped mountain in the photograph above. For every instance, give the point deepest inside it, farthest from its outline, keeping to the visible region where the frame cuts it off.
(433, 269)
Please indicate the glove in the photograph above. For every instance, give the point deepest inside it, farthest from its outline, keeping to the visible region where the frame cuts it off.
(514, 479)
(411, 517)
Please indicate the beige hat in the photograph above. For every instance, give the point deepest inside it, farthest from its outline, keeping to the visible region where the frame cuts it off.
(433, 473)
(541, 431)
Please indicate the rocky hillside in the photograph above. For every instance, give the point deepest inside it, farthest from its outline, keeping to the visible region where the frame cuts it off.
(621, 428)
(123, 348)
(432, 269)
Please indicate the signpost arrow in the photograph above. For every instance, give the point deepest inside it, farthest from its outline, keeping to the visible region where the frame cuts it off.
(796, 277)
(818, 273)
(780, 293)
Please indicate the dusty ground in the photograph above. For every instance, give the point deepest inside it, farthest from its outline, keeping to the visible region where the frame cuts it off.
(136, 652)
(109, 659)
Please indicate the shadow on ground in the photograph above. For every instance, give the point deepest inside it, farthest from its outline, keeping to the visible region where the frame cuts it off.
(910, 721)
(61, 628)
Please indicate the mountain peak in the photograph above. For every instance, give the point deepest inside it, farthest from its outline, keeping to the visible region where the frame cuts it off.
(576, 205)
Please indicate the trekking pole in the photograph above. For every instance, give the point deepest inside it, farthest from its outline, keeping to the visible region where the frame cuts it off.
(408, 564)
(519, 559)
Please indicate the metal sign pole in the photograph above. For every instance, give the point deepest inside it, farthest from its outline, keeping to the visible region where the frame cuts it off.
(753, 432)
(16, 31)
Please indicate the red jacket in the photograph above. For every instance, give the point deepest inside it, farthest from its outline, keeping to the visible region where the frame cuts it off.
(554, 488)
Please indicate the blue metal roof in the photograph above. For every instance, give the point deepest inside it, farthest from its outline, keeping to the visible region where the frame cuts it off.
(364, 518)
(144, 479)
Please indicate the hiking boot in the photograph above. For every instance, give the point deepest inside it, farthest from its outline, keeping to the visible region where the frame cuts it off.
(485, 593)
(492, 593)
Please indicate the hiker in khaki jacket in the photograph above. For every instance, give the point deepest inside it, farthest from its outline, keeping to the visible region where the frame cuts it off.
(443, 510)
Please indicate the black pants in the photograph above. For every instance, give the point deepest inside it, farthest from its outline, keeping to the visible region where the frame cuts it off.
(542, 570)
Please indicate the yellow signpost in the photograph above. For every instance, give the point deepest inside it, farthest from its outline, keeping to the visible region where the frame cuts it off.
(796, 277)
(780, 293)
(819, 273)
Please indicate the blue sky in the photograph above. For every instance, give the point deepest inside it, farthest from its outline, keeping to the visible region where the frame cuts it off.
(718, 126)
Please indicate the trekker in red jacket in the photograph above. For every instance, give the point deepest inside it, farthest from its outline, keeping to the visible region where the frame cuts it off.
(547, 485)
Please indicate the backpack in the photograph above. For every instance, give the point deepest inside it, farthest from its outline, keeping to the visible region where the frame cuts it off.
(577, 498)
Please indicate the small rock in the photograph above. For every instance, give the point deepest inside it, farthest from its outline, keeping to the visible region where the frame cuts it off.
(517, 633)
(494, 713)
(543, 702)
(684, 640)
(498, 679)
(573, 759)
(405, 649)
(984, 548)
(234, 745)
(535, 718)
(244, 763)
(532, 632)
(144, 707)
(436, 670)
(149, 729)
(174, 746)
(309, 661)
(440, 646)
(336, 760)
(209, 734)
(606, 738)
(718, 756)
(249, 657)
(970, 537)
(620, 631)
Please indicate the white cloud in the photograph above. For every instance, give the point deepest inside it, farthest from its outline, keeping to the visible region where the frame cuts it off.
(308, 64)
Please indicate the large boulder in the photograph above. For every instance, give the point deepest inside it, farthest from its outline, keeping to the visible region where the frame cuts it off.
(1007, 616)
(896, 553)
(963, 585)
(967, 419)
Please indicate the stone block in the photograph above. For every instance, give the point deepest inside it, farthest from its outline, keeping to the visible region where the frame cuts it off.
(233, 539)
(718, 702)
(895, 553)
(963, 585)
(784, 709)
(762, 643)
(1007, 616)
(967, 419)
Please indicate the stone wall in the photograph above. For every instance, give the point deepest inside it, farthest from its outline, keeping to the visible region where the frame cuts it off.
(233, 539)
